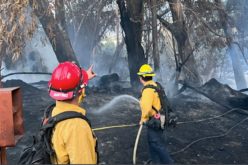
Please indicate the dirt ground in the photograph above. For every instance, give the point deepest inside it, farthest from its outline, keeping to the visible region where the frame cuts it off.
(116, 145)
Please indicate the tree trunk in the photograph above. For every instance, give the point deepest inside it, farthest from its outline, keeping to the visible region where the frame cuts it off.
(57, 36)
(60, 14)
(117, 27)
(155, 52)
(132, 21)
(88, 31)
(116, 55)
(237, 67)
(233, 49)
(186, 60)
(83, 48)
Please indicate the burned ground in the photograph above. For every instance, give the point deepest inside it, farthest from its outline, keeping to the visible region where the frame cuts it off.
(116, 145)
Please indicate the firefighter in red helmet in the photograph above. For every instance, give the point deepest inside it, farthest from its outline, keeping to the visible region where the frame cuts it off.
(73, 140)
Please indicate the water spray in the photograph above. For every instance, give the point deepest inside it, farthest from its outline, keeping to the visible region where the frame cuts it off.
(111, 104)
(114, 101)
(121, 97)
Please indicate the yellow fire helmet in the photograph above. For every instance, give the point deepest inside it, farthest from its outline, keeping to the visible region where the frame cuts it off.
(146, 70)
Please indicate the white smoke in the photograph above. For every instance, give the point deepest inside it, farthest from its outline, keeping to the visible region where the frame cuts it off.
(38, 57)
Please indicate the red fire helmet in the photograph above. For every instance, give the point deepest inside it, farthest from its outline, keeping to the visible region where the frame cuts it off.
(66, 81)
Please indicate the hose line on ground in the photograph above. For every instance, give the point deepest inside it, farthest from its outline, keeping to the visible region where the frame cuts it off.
(189, 145)
(114, 126)
(210, 137)
(214, 117)
(178, 123)
(215, 136)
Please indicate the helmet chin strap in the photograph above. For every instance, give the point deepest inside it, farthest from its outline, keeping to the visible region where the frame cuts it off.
(81, 97)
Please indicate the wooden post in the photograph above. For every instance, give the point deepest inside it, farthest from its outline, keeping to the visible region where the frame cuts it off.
(3, 157)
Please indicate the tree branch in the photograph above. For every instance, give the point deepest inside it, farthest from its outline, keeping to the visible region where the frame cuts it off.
(116, 55)
(165, 12)
(58, 38)
(165, 23)
(187, 58)
(243, 90)
(106, 26)
(205, 24)
(202, 93)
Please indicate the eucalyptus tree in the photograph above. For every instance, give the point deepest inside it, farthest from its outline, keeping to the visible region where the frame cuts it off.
(197, 27)
(132, 17)
(88, 22)
(15, 28)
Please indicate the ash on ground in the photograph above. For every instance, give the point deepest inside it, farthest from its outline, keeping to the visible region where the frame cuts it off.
(229, 146)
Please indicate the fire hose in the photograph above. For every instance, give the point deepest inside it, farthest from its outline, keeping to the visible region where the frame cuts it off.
(190, 144)
(114, 126)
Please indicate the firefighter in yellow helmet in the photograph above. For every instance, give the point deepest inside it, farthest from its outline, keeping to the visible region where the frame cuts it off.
(150, 106)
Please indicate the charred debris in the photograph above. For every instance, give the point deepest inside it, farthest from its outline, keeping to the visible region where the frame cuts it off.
(210, 130)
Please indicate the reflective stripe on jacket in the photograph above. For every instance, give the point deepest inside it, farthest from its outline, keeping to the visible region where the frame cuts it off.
(72, 139)
(149, 99)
